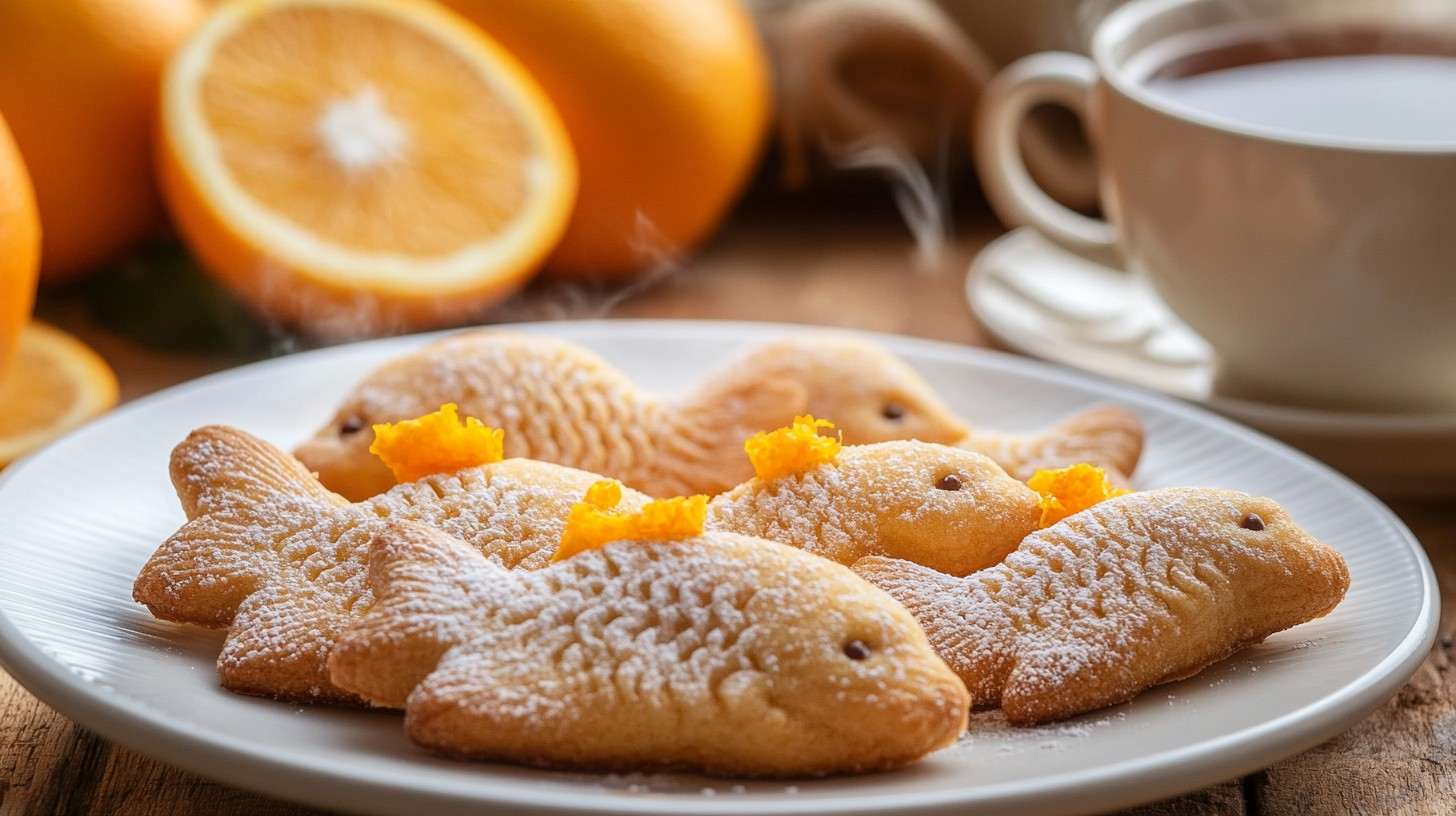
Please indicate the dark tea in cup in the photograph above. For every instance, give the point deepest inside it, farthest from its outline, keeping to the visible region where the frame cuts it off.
(1358, 84)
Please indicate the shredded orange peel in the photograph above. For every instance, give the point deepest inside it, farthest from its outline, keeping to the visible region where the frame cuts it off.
(595, 521)
(794, 449)
(1069, 490)
(440, 442)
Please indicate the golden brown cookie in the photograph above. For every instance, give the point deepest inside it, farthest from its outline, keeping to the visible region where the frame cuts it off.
(1107, 436)
(720, 653)
(273, 556)
(276, 558)
(950, 509)
(561, 403)
(1139, 590)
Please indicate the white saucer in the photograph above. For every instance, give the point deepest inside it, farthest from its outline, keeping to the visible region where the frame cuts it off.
(78, 519)
(1040, 299)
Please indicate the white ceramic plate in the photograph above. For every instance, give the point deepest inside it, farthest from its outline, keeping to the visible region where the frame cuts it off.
(78, 520)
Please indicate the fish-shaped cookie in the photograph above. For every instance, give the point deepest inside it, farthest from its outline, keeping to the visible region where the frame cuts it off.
(949, 509)
(719, 652)
(1108, 436)
(558, 402)
(1135, 591)
(272, 555)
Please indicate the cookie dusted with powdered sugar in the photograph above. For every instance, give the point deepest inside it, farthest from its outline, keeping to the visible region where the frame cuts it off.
(278, 560)
(560, 403)
(1135, 591)
(718, 652)
(1107, 436)
(949, 509)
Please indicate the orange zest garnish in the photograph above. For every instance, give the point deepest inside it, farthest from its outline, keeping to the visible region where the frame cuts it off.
(595, 522)
(794, 449)
(436, 443)
(1069, 490)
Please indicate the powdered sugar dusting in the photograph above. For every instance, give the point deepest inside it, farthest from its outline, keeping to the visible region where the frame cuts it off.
(561, 403)
(296, 560)
(722, 651)
(884, 499)
(1135, 591)
(820, 511)
(990, 733)
(297, 554)
(1108, 436)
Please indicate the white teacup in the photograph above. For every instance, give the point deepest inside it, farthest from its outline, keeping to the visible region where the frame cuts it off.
(1321, 268)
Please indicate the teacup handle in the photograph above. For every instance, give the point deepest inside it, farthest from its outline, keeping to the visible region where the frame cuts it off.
(1054, 77)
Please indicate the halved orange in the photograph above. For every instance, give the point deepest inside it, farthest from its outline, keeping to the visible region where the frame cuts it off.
(54, 383)
(361, 166)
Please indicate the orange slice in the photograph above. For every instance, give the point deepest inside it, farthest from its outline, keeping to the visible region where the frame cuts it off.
(54, 383)
(361, 166)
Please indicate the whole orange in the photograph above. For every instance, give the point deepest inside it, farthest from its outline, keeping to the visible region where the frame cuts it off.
(78, 84)
(666, 103)
(19, 246)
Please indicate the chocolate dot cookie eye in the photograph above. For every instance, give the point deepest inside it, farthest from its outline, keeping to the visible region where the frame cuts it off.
(856, 650)
(1252, 522)
(893, 411)
(949, 481)
(351, 426)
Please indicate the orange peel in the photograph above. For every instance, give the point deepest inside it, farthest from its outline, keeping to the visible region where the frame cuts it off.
(794, 449)
(439, 442)
(595, 522)
(1069, 490)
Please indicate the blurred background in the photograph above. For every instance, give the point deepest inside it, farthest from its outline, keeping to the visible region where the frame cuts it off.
(185, 191)
(188, 185)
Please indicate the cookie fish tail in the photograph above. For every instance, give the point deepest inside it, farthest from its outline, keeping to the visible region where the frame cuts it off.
(1108, 436)
(976, 647)
(205, 570)
(278, 647)
(218, 467)
(698, 444)
(202, 572)
(388, 651)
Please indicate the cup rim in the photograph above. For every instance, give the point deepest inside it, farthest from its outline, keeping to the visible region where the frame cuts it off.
(1126, 19)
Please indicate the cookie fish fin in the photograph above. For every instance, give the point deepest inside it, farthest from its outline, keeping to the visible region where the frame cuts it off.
(218, 467)
(202, 572)
(1108, 436)
(701, 446)
(977, 647)
(278, 647)
(916, 587)
(423, 605)
(1037, 687)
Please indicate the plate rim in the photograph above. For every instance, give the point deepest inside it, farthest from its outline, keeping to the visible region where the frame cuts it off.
(212, 756)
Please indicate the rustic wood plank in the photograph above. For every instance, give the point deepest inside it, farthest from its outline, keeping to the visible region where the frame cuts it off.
(1400, 761)
(133, 785)
(49, 765)
(1220, 800)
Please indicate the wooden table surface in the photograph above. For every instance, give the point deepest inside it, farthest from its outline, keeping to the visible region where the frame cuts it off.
(807, 263)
